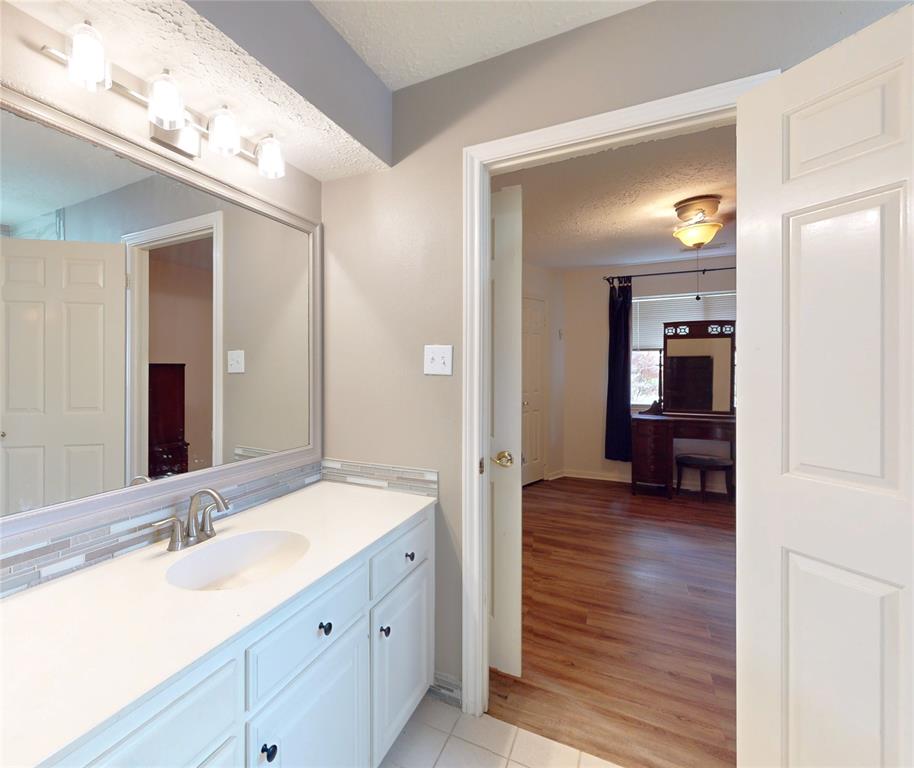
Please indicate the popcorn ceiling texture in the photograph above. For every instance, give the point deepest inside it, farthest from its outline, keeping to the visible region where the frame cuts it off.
(616, 207)
(143, 36)
(408, 42)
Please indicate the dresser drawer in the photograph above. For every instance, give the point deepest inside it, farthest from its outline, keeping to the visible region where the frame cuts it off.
(273, 659)
(399, 558)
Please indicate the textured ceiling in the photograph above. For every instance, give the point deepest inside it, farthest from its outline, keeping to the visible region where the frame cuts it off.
(406, 42)
(616, 207)
(143, 36)
(44, 170)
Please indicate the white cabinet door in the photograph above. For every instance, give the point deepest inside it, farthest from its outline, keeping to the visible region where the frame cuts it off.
(321, 719)
(402, 657)
(825, 543)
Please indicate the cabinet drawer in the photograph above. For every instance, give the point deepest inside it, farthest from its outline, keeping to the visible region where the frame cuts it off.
(399, 558)
(186, 731)
(276, 657)
(321, 718)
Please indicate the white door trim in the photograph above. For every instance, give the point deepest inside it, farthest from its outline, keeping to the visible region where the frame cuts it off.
(137, 245)
(697, 109)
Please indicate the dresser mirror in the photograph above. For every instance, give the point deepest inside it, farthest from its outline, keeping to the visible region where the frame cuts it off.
(698, 367)
(149, 329)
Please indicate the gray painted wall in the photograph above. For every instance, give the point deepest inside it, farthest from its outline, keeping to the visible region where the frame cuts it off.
(292, 39)
(393, 274)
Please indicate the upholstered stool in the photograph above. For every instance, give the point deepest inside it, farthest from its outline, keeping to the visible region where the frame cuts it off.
(704, 464)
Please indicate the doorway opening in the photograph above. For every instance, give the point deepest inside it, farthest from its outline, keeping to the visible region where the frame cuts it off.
(174, 366)
(626, 528)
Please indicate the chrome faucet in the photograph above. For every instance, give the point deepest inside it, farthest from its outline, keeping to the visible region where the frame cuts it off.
(193, 532)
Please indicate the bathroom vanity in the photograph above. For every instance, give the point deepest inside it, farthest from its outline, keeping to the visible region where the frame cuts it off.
(301, 635)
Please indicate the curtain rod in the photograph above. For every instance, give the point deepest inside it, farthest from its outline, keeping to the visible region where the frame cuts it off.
(610, 278)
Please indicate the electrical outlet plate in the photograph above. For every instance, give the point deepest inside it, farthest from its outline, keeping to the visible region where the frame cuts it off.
(438, 360)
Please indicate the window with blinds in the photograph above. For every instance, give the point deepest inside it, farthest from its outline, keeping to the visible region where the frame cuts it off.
(649, 313)
(648, 316)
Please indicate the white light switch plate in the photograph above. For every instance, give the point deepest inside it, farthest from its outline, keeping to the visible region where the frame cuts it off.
(438, 359)
(235, 361)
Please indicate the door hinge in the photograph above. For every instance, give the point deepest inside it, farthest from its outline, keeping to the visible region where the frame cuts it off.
(126, 279)
(482, 466)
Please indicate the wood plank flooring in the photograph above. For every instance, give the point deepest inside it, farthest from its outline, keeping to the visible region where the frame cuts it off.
(629, 625)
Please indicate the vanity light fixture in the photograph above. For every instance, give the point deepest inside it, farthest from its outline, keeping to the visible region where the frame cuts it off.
(86, 62)
(224, 136)
(166, 107)
(270, 162)
(173, 125)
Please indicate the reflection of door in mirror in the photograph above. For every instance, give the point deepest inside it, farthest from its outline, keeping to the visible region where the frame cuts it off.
(62, 358)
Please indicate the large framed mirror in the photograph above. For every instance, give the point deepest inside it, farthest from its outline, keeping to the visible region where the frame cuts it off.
(154, 334)
(698, 367)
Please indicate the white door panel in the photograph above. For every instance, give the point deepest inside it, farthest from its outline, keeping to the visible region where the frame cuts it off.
(507, 432)
(825, 542)
(62, 356)
(534, 398)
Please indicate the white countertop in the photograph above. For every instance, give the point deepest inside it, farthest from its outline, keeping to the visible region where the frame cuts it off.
(77, 650)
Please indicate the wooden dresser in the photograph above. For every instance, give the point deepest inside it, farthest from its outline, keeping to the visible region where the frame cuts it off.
(653, 460)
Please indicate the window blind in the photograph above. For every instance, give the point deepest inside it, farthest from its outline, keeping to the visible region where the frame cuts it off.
(649, 313)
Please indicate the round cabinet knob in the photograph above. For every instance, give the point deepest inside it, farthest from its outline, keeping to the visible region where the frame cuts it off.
(270, 752)
(385, 631)
(410, 556)
(326, 628)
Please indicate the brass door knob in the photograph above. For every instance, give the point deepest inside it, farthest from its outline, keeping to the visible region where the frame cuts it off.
(504, 459)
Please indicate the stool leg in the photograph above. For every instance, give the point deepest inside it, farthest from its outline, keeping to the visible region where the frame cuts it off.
(702, 485)
(678, 478)
(729, 477)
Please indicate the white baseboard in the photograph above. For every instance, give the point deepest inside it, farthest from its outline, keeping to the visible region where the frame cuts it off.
(447, 688)
(716, 484)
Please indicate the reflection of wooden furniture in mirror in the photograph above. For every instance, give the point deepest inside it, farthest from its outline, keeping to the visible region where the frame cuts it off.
(698, 360)
(167, 447)
(697, 399)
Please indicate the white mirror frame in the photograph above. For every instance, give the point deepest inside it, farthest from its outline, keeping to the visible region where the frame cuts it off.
(110, 506)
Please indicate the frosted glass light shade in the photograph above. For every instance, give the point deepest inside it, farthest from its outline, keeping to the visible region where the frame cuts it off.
(270, 162)
(698, 234)
(224, 136)
(86, 63)
(166, 107)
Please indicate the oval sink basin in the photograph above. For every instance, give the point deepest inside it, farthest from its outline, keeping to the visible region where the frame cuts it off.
(238, 561)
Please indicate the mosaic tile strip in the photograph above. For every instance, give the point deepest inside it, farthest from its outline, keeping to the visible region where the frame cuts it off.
(47, 560)
(420, 481)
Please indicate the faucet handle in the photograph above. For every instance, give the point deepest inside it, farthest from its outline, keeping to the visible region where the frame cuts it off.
(177, 541)
(207, 531)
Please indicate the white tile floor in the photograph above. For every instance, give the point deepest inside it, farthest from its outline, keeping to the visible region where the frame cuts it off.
(440, 736)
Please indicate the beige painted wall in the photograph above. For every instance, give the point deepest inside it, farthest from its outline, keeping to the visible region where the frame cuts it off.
(181, 331)
(393, 238)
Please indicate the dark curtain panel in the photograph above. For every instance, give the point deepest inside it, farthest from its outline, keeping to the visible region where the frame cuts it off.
(618, 387)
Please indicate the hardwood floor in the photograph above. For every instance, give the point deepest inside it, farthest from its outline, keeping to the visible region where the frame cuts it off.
(628, 627)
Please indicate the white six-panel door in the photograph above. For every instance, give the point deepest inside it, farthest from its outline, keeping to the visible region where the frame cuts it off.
(505, 481)
(62, 364)
(825, 563)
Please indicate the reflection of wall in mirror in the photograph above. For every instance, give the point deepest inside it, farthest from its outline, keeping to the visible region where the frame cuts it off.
(719, 351)
(266, 303)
